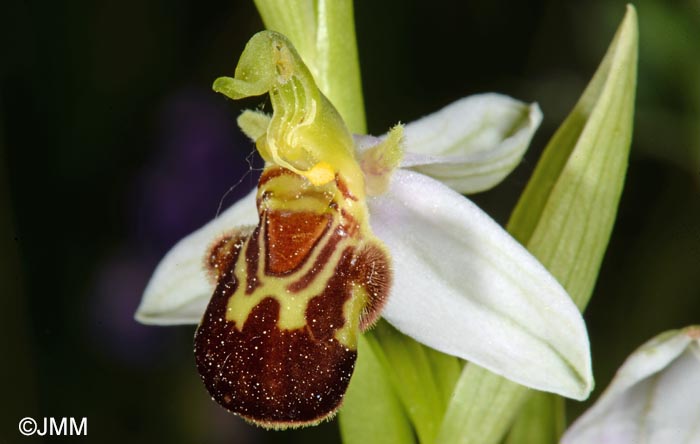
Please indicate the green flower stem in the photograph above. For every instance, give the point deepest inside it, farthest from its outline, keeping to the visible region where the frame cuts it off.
(565, 218)
(323, 32)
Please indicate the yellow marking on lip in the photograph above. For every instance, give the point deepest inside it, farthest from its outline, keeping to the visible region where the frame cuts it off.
(352, 309)
(293, 193)
(292, 305)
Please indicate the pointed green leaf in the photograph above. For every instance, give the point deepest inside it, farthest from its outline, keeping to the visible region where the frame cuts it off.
(567, 211)
(371, 412)
(564, 217)
(589, 218)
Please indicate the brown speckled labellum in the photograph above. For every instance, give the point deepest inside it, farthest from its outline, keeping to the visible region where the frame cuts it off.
(277, 343)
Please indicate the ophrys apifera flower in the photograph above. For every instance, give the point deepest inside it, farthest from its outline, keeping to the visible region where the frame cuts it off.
(342, 230)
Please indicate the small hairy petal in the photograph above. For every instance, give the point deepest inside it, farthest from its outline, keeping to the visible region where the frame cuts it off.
(180, 288)
(463, 286)
(472, 144)
(653, 398)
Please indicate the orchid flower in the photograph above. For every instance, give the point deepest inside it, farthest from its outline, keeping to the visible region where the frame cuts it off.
(420, 254)
(653, 398)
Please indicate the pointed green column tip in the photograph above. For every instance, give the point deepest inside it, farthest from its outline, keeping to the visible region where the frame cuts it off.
(305, 133)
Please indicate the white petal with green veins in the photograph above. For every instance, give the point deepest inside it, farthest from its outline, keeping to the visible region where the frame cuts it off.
(179, 289)
(463, 286)
(473, 143)
(654, 398)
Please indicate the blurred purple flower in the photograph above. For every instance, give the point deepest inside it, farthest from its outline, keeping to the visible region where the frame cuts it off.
(199, 160)
(201, 154)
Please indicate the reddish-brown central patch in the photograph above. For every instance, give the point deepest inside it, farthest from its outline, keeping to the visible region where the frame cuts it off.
(290, 237)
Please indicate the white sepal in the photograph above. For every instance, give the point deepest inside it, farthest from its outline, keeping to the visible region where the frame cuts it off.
(654, 397)
(472, 144)
(179, 290)
(463, 286)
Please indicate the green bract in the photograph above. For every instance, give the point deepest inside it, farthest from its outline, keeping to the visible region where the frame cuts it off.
(565, 218)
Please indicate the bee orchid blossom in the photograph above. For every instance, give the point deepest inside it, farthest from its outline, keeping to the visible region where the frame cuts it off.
(343, 230)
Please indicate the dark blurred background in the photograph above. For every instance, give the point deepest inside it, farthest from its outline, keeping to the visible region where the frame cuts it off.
(112, 147)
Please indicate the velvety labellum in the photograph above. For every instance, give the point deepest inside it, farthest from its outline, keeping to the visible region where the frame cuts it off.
(277, 343)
